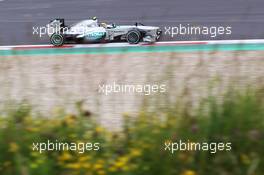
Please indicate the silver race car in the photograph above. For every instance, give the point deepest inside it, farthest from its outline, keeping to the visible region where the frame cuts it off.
(90, 31)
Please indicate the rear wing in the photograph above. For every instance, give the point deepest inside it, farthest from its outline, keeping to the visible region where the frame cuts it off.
(56, 26)
(59, 21)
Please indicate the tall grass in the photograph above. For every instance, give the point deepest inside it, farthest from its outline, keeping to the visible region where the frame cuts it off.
(138, 149)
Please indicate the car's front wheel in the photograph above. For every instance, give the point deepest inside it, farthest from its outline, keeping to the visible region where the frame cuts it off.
(57, 39)
(133, 37)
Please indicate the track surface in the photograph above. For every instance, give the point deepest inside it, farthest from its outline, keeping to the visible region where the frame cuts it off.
(246, 17)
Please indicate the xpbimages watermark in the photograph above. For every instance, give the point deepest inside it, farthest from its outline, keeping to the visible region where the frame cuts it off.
(212, 147)
(49, 30)
(79, 147)
(211, 31)
(146, 89)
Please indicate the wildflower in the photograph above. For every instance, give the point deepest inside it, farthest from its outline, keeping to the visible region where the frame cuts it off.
(135, 153)
(80, 164)
(156, 131)
(245, 159)
(167, 142)
(34, 154)
(99, 129)
(70, 119)
(113, 169)
(126, 168)
(73, 135)
(56, 122)
(189, 172)
(126, 116)
(32, 129)
(86, 165)
(98, 166)
(64, 156)
(122, 161)
(84, 158)
(163, 125)
(41, 160)
(57, 110)
(13, 147)
(28, 120)
(101, 172)
(73, 166)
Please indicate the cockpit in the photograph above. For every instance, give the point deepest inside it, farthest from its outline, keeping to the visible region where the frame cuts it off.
(87, 23)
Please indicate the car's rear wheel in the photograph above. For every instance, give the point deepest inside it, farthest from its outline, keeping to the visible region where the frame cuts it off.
(57, 39)
(133, 37)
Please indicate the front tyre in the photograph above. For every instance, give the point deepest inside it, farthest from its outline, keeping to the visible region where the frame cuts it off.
(133, 37)
(57, 39)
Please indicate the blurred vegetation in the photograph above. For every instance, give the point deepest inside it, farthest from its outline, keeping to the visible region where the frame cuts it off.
(138, 149)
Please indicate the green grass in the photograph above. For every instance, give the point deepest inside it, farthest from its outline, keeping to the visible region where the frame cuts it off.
(138, 149)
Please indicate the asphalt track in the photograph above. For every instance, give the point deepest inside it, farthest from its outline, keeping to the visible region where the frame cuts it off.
(246, 17)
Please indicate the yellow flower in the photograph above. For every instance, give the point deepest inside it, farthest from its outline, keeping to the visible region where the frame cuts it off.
(163, 125)
(135, 153)
(146, 145)
(189, 172)
(73, 166)
(86, 165)
(40, 161)
(73, 136)
(56, 122)
(98, 166)
(101, 172)
(245, 159)
(126, 114)
(57, 110)
(112, 169)
(156, 131)
(126, 168)
(34, 154)
(167, 141)
(28, 120)
(32, 129)
(122, 161)
(13, 147)
(70, 119)
(88, 135)
(99, 129)
(65, 156)
(84, 158)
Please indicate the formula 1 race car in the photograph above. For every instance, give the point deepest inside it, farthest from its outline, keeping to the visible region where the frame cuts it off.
(90, 31)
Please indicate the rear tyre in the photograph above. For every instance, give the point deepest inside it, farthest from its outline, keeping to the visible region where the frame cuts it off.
(57, 39)
(133, 37)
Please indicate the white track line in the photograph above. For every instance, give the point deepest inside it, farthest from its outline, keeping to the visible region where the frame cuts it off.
(253, 41)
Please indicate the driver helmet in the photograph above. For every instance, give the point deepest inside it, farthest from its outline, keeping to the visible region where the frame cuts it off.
(104, 25)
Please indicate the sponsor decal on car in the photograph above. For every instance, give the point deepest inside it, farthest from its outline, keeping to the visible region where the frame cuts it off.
(94, 35)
